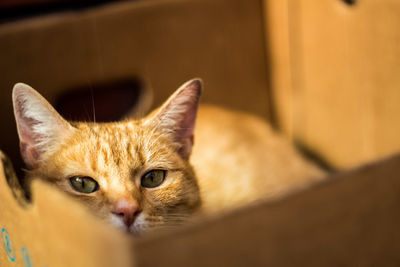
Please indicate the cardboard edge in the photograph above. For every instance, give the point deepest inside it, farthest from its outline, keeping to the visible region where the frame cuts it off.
(44, 203)
(13, 182)
(330, 218)
(330, 179)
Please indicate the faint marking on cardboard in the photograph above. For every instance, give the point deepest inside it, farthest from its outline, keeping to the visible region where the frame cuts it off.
(7, 244)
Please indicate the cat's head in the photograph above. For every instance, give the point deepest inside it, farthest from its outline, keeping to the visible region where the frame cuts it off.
(133, 173)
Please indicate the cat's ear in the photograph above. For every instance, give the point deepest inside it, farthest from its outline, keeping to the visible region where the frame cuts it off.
(177, 116)
(40, 127)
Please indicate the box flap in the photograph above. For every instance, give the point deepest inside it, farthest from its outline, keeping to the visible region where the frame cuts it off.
(350, 220)
(54, 230)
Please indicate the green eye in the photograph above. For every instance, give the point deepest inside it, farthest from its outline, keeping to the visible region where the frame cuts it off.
(153, 178)
(84, 184)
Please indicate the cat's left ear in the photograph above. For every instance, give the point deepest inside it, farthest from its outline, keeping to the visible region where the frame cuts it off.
(177, 116)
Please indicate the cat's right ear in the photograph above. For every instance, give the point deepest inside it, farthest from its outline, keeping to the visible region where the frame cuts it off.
(177, 116)
(40, 127)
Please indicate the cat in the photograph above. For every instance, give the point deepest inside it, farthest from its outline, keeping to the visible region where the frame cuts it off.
(159, 171)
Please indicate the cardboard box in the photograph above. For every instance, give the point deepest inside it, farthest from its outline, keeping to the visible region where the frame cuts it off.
(271, 58)
(53, 230)
(350, 220)
(334, 70)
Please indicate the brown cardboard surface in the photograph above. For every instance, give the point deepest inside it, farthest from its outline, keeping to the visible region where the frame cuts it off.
(350, 220)
(334, 74)
(163, 43)
(326, 94)
(54, 230)
(277, 45)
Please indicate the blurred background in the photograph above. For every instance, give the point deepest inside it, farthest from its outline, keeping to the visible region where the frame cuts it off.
(324, 73)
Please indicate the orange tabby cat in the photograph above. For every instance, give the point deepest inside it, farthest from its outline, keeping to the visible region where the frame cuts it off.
(137, 174)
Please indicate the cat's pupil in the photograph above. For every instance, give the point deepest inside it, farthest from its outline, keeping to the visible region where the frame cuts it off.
(152, 177)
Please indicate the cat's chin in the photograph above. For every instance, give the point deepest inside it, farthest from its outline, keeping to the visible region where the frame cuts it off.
(137, 228)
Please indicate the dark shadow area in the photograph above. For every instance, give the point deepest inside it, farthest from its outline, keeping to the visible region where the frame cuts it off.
(350, 2)
(315, 157)
(13, 182)
(101, 102)
(11, 10)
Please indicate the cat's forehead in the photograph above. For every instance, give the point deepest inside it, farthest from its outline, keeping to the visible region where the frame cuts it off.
(128, 140)
(113, 133)
(110, 129)
(114, 150)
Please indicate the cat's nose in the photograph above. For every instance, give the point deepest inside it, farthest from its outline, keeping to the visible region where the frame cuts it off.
(127, 211)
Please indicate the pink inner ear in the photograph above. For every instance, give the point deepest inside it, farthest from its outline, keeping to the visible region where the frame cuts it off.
(186, 148)
(187, 120)
(28, 141)
(39, 125)
(179, 114)
(30, 155)
(26, 132)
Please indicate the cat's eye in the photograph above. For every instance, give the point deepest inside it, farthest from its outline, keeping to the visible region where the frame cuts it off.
(153, 178)
(85, 185)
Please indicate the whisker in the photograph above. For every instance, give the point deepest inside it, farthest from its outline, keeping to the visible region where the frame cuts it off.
(93, 105)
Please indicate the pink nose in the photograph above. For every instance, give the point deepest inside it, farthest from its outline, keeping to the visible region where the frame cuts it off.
(127, 211)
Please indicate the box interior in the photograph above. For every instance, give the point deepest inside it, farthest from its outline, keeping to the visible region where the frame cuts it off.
(301, 66)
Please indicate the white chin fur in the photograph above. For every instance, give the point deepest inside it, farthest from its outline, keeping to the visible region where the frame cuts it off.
(117, 222)
(136, 227)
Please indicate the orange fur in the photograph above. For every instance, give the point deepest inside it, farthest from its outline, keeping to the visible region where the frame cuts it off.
(236, 159)
(239, 159)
